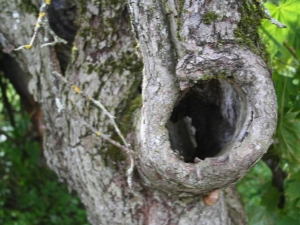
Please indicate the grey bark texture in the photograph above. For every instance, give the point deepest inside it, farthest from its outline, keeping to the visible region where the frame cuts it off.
(206, 114)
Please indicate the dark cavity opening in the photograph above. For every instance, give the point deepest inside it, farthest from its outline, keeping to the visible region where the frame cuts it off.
(203, 121)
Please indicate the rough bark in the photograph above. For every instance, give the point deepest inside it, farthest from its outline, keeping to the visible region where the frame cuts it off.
(228, 81)
(198, 73)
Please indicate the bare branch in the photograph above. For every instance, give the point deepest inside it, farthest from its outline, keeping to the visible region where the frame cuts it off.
(270, 18)
(42, 21)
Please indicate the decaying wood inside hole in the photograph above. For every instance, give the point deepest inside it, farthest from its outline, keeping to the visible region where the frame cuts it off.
(204, 119)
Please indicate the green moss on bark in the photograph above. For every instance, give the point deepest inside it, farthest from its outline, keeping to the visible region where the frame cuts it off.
(125, 122)
(29, 7)
(178, 20)
(247, 33)
(210, 17)
(107, 29)
(128, 116)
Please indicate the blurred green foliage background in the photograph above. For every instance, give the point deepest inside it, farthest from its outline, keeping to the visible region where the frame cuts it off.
(271, 190)
(31, 194)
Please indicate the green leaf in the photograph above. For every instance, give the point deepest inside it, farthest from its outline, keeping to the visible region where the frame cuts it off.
(298, 53)
(262, 216)
(288, 133)
(287, 92)
(290, 6)
(288, 13)
(270, 197)
(288, 221)
(293, 189)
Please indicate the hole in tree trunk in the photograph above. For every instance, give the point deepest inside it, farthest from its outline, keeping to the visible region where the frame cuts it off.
(204, 120)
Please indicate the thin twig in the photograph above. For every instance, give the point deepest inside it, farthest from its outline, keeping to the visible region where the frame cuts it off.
(270, 18)
(57, 39)
(98, 133)
(96, 102)
(290, 49)
(39, 23)
(42, 21)
(285, 63)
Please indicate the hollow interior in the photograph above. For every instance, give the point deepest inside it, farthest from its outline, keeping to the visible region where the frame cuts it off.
(204, 120)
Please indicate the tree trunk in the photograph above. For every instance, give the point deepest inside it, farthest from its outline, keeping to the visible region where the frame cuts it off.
(206, 114)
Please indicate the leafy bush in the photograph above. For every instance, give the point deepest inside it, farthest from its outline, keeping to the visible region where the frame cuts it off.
(260, 195)
(30, 193)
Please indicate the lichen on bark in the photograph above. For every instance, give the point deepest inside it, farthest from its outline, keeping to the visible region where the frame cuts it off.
(179, 51)
(205, 51)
